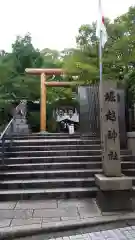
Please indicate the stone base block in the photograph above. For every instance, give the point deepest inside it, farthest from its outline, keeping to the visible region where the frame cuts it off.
(43, 132)
(113, 183)
(109, 201)
(114, 193)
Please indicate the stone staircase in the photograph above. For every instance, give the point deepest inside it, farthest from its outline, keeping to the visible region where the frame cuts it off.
(54, 166)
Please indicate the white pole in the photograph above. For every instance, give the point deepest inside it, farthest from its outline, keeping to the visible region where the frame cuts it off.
(100, 49)
(101, 78)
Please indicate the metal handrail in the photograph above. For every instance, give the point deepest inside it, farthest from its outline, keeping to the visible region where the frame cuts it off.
(8, 125)
(6, 129)
(5, 133)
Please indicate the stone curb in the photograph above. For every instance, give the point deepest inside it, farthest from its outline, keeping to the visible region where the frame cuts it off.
(34, 229)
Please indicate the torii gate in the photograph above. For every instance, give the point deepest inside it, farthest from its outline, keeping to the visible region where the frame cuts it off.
(43, 72)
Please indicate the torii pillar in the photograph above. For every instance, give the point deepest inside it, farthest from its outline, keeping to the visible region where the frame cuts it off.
(43, 72)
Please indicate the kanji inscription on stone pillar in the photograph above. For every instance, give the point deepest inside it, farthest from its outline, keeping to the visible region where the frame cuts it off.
(110, 129)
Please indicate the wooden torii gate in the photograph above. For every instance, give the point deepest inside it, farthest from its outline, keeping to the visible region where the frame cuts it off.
(43, 72)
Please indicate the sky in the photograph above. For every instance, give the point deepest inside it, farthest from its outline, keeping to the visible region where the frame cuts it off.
(52, 23)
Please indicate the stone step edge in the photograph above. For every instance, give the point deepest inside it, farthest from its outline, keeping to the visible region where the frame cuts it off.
(60, 163)
(49, 190)
(59, 180)
(53, 140)
(54, 151)
(129, 169)
(49, 171)
(57, 146)
(58, 157)
(50, 136)
(54, 157)
(53, 163)
(61, 151)
(29, 230)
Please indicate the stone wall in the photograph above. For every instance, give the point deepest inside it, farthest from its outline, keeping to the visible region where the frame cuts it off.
(131, 142)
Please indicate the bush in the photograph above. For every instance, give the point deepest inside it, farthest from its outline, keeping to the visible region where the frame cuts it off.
(33, 120)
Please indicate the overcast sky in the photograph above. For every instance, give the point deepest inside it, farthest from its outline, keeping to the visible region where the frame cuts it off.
(52, 23)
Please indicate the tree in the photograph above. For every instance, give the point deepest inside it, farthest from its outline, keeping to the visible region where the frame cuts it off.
(118, 55)
(83, 61)
(51, 58)
(14, 83)
(25, 55)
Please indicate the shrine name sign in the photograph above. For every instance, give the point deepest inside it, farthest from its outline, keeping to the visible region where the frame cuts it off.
(110, 139)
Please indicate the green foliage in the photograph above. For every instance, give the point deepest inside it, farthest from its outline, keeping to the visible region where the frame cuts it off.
(33, 120)
(118, 55)
(51, 58)
(25, 55)
(16, 85)
(78, 65)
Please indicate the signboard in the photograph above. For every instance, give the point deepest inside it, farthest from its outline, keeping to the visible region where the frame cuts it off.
(67, 114)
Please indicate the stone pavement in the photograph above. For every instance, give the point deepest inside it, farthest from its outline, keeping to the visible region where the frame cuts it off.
(35, 216)
(113, 234)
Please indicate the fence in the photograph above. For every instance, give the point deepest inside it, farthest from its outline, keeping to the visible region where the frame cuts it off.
(90, 112)
(130, 120)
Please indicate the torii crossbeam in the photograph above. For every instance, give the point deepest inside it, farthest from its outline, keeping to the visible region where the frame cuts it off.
(44, 72)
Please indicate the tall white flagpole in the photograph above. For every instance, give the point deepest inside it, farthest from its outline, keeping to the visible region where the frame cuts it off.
(100, 49)
(101, 76)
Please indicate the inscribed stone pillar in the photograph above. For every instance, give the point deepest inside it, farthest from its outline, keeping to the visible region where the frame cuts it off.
(114, 188)
(110, 139)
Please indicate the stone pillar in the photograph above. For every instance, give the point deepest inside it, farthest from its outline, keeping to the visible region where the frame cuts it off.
(110, 130)
(114, 188)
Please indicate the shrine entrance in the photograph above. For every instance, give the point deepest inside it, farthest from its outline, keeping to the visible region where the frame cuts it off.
(71, 116)
(89, 115)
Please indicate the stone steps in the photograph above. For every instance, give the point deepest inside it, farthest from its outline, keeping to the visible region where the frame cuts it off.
(50, 183)
(129, 171)
(54, 153)
(66, 147)
(36, 194)
(53, 141)
(51, 159)
(61, 166)
(59, 173)
(47, 136)
(62, 159)
(48, 174)
(53, 166)
(47, 183)
(62, 152)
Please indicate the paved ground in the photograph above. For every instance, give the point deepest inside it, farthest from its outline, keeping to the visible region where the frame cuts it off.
(42, 212)
(21, 215)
